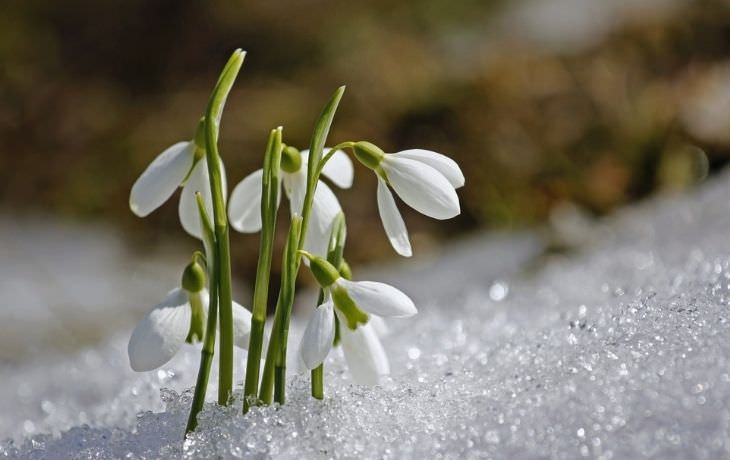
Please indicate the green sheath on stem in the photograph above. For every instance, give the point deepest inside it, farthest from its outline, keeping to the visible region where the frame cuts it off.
(220, 220)
(269, 207)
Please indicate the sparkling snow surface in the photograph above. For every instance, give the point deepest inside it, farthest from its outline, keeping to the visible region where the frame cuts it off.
(619, 351)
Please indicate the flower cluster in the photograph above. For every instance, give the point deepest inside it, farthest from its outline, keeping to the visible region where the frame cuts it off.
(348, 313)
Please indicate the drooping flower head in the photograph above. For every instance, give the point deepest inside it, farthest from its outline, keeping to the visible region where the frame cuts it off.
(244, 210)
(424, 180)
(179, 318)
(353, 302)
(182, 164)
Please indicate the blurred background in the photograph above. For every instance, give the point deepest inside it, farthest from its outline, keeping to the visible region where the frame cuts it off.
(557, 110)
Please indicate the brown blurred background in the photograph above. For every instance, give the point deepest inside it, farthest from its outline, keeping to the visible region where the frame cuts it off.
(593, 103)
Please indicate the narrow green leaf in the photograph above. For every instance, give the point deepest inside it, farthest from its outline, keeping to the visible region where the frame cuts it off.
(223, 86)
(321, 131)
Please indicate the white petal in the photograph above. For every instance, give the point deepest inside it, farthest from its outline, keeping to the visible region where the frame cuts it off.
(325, 208)
(188, 209)
(161, 178)
(379, 325)
(160, 334)
(393, 223)
(440, 163)
(422, 187)
(379, 298)
(339, 169)
(364, 354)
(318, 336)
(241, 325)
(244, 209)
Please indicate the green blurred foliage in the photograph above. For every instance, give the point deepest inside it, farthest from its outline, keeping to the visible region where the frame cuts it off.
(91, 91)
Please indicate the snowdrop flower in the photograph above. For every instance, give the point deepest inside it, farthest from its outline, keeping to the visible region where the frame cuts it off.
(183, 163)
(425, 180)
(244, 210)
(351, 301)
(180, 317)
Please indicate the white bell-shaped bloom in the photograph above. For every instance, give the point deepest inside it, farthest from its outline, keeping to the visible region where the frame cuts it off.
(364, 355)
(363, 351)
(244, 210)
(424, 180)
(165, 328)
(172, 168)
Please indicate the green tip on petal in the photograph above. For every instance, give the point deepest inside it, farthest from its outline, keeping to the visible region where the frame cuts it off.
(349, 309)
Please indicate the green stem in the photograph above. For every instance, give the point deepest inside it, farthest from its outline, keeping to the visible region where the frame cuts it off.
(275, 365)
(317, 374)
(225, 297)
(206, 358)
(266, 394)
(335, 252)
(318, 382)
(223, 261)
(269, 206)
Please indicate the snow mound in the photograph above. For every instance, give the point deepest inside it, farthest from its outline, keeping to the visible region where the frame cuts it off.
(621, 351)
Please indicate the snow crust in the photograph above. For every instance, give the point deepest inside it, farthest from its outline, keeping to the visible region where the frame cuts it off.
(621, 350)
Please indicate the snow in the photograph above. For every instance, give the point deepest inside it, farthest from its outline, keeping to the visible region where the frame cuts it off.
(619, 350)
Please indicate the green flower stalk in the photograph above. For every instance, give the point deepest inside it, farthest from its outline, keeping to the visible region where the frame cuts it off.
(269, 205)
(220, 222)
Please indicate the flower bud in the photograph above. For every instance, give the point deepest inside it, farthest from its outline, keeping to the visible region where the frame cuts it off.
(193, 278)
(291, 159)
(369, 154)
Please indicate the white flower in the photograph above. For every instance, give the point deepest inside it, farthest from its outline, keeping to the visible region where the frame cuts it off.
(244, 210)
(425, 180)
(172, 168)
(361, 346)
(163, 330)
